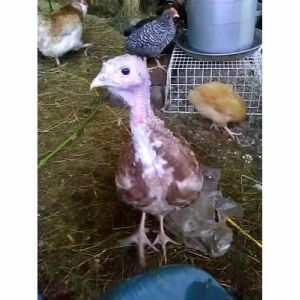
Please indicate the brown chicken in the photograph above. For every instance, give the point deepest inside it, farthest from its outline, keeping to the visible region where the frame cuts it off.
(60, 32)
(220, 103)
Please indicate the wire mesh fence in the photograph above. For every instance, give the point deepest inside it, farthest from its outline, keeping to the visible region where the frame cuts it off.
(186, 72)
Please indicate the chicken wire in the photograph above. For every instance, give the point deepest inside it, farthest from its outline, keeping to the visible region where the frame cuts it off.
(185, 72)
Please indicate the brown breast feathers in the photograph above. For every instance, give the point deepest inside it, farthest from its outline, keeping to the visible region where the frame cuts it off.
(178, 186)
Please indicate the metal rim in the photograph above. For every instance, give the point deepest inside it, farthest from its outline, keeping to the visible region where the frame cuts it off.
(181, 42)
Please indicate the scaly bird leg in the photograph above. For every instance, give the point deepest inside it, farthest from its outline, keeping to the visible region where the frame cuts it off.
(58, 64)
(214, 126)
(57, 61)
(159, 66)
(86, 46)
(140, 238)
(162, 238)
(232, 134)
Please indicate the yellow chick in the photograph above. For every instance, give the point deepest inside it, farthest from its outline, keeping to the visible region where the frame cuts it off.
(218, 102)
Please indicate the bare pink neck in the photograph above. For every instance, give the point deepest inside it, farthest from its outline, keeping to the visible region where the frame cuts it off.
(140, 107)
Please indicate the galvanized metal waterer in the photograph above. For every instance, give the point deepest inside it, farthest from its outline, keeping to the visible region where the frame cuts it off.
(221, 26)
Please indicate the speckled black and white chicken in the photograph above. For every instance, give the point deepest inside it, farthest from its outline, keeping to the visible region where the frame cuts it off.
(180, 21)
(153, 37)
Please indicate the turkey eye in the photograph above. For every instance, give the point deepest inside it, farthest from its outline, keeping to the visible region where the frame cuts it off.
(125, 71)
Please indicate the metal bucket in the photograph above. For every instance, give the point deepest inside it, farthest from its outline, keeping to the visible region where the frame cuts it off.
(221, 26)
(258, 14)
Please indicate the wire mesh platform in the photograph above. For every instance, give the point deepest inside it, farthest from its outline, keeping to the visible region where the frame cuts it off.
(185, 72)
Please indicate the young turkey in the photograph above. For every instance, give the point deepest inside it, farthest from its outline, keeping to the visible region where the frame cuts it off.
(158, 172)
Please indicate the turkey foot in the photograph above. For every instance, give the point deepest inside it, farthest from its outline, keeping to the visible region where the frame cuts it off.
(140, 238)
(162, 238)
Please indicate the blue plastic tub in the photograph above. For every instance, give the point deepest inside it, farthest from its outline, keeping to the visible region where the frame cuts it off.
(170, 282)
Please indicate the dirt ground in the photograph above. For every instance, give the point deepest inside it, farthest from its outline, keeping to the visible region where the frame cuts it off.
(80, 217)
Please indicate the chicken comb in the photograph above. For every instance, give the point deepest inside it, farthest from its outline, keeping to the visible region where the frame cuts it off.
(174, 10)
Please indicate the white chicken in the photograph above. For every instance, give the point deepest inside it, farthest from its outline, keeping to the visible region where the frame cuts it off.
(60, 32)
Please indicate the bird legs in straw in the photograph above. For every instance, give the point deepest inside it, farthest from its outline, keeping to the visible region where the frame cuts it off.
(86, 46)
(140, 238)
(81, 46)
(162, 238)
(233, 135)
(57, 62)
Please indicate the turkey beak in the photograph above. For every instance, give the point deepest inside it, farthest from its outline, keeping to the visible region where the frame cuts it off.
(98, 81)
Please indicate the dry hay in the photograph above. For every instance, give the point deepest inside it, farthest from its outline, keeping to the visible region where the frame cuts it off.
(80, 217)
